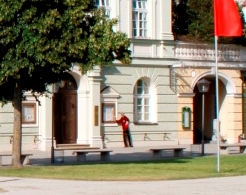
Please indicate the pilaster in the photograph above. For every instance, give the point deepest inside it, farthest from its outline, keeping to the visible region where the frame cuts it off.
(166, 20)
(94, 117)
(45, 122)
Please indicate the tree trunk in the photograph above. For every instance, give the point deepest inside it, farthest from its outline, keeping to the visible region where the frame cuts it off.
(16, 150)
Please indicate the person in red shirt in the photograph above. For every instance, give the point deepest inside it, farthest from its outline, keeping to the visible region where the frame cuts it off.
(124, 121)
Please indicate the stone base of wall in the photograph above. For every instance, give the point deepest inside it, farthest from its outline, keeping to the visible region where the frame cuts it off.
(141, 143)
(185, 141)
(7, 148)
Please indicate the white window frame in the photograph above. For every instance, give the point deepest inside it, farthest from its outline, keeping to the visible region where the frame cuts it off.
(30, 114)
(108, 112)
(140, 18)
(143, 111)
(109, 97)
(106, 4)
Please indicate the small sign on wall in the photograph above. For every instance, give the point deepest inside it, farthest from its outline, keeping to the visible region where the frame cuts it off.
(28, 113)
(186, 118)
(95, 115)
(108, 112)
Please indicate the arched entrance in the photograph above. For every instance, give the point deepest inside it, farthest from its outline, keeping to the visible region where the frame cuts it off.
(65, 111)
(209, 110)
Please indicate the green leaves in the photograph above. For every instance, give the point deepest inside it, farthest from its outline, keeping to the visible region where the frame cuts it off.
(40, 39)
(193, 21)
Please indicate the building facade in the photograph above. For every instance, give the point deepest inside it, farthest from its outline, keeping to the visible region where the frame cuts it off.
(158, 91)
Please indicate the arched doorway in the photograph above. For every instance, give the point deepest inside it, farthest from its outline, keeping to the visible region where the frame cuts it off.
(209, 110)
(65, 111)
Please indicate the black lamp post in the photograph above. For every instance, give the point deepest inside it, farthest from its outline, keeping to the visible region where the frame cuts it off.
(203, 87)
(55, 90)
(52, 134)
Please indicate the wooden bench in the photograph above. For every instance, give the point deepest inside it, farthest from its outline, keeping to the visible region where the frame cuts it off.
(24, 158)
(81, 154)
(224, 148)
(177, 151)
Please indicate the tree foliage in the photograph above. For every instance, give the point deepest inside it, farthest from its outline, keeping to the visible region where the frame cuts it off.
(193, 20)
(39, 41)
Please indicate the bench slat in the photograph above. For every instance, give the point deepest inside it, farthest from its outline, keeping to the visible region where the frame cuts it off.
(224, 148)
(81, 154)
(178, 151)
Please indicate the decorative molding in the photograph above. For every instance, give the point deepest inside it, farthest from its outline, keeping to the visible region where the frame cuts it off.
(109, 92)
(145, 123)
(186, 95)
(235, 95)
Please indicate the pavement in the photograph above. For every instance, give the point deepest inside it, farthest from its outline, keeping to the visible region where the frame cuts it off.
(216, 186)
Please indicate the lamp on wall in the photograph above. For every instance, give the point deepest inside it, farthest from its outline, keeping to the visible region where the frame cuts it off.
(203, 87)
(61, 84)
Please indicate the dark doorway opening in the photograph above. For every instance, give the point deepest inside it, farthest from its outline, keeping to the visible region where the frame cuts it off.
(65, 111)
(209, 113)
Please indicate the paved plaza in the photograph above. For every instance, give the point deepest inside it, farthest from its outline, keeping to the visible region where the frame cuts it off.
(118, 154)
(215, 186)
(212, 186)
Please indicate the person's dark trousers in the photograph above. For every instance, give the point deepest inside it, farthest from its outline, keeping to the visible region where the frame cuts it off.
(127, 138)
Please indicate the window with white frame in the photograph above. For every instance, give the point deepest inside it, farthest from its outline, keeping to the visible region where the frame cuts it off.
(109, 98)
(139, 18)
(104, 3)
(29, 111)
(108, 112)
(142, 100)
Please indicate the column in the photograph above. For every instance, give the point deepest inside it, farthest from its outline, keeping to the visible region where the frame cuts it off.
(95, 107)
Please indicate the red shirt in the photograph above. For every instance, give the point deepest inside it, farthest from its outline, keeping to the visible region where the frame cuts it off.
(124, 121)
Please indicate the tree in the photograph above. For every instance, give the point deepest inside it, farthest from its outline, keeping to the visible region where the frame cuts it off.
(193, 20)
(179, 17)
(39, 41)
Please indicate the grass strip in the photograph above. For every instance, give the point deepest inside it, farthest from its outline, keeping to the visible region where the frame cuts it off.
(165, 169)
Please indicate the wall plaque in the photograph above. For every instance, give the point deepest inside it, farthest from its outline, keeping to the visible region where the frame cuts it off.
(186, 118)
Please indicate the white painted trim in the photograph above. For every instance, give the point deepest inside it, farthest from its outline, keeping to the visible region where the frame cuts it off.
(236, 95)
(229, 85)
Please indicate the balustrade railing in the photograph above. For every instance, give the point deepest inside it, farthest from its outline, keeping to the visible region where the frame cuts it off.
(184, 50)
(207, 52)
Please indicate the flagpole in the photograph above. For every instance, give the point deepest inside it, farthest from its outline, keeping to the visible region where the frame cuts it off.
(227, 23)
(217, 104)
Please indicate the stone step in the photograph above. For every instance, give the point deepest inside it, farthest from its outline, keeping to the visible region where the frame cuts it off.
(74, 147)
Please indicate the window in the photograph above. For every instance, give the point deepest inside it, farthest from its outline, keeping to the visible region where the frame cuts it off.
(108, 112)
(142, 101)
(139, 18)
(109, 98)
(28, 113)
(105, 4)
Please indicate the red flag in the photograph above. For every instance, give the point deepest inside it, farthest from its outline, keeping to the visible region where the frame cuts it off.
(227, 21)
